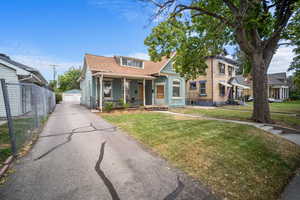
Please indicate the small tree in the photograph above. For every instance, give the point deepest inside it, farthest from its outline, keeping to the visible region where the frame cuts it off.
(69, 80)
(199, 28)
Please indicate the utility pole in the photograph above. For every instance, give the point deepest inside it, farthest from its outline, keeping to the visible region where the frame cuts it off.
(54, 74)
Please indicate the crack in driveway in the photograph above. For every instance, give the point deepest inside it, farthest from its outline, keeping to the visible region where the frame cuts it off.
(69, 137)
(107, 182)
(174, 194)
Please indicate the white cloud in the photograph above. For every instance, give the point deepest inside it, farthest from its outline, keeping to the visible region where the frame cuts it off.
(130, 10)
(33, 57)
(43, 64)
(281, 60)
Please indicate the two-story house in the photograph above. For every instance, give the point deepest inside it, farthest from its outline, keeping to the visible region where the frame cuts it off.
(212, 88)
(130, 80)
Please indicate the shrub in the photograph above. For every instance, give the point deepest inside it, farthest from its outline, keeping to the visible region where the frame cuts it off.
(58, 97)
(108, 106)
(123, 104)
(295, 95)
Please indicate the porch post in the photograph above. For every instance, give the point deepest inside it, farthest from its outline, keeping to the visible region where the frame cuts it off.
(101, 92)
(144, 92)
(97, 100)
(124, 86)
(152, 92)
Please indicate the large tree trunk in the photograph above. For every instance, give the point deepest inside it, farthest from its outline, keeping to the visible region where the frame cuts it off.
(261, 111)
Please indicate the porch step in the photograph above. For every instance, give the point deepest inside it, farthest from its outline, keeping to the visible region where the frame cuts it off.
(156, 108)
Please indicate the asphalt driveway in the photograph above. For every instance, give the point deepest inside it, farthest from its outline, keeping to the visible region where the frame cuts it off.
(80, 156)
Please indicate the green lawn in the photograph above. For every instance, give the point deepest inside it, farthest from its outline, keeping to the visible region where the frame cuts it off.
(281, 119)
(23, 130)
(235, 161)
(284, 107)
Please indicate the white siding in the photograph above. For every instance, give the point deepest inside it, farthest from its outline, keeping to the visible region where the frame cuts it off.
(14, 91)
(86, 88)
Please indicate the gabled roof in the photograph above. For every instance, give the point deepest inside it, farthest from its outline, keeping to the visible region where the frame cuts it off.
(110, 65)
(277, 79)
(228, 60)
(273, 79)
(24, 67)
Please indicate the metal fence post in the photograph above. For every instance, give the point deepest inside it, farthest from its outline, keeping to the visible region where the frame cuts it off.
(12, 135)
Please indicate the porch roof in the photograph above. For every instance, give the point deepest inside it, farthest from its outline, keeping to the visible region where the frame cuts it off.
(120, 75)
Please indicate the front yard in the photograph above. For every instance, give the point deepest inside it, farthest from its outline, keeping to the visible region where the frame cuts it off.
(235, 161)
(284, 107)
(242, 113)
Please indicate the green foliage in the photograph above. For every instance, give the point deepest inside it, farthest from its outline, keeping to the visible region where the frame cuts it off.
(123, 104)
(53, 85)
(205, 27)
(295, 95)
(69, 80)
(108, 106)
(58, 97)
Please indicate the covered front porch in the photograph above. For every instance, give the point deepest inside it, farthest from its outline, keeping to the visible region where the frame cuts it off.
(278, 92)
(129, 90)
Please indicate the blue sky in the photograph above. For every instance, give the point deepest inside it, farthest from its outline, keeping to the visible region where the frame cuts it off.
(43, 32)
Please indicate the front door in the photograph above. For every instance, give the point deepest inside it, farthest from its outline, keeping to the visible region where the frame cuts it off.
(141, 94)
(160, 94)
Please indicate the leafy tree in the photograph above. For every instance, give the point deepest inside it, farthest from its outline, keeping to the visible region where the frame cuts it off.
(53, 84)
(195, 29)
(69, 80)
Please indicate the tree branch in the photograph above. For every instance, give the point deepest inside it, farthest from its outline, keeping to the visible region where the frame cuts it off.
(179, 8)
(232, 7)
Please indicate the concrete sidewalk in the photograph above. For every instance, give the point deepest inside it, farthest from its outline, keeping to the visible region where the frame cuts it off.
(266, 127)
(79, 156)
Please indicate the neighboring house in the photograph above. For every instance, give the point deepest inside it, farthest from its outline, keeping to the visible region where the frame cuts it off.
(131, 80)
(278, 88)
(15, 73)
(213, 87)
(71, 95)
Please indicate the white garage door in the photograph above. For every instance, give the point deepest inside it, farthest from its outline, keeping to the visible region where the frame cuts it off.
(71, 98)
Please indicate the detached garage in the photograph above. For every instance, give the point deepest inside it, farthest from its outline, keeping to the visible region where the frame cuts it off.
(72, 96)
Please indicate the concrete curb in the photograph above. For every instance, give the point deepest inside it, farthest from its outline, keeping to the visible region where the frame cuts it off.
(6, 166)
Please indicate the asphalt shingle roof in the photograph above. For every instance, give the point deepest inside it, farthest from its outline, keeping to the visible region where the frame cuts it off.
(111, 65)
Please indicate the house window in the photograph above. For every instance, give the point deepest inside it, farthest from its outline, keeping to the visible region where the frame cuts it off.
(107, 89)
(132, 62)
(160, 91)
(176, 88)
(202, 88)
(221, 68)
(221, 90)
(230, 70)
(193, 85)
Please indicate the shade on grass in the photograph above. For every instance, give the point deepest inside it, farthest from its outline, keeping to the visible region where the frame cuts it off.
(236, 161)
(282, 119)
(284, 107)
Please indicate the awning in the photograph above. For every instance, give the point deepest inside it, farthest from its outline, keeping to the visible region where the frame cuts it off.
(225, 84)
(240, 86)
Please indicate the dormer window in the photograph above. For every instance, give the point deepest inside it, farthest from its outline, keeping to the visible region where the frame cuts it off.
(131, 62)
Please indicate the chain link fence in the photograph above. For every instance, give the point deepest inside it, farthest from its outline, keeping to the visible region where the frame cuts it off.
(24, 107)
